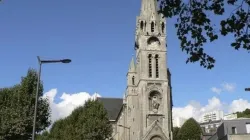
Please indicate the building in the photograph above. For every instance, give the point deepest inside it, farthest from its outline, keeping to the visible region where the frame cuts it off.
(212, 116)
(178, 121)
(211, 126)
(230, 116)
(145, 111)
(207, 136)
(237, 129)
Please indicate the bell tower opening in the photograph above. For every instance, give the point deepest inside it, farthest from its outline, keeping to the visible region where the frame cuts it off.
(133, 80)
(150, 65)
(141, 25)
(152, 26)
(162, 27)
(156, 66)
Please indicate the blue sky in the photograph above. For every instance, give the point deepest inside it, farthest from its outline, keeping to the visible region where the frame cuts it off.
(99, 38)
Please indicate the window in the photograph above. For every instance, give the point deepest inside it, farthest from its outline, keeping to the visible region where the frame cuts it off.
(162, 27)
(141, 25)
(234, 131)
(156, 66)
(152, 27)
(248, 127)
(133, 80)
(150, 65)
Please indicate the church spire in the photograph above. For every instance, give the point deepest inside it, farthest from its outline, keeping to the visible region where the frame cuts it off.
(149, 22)
(149, 8)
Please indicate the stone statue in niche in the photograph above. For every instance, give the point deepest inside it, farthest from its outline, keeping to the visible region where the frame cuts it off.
(154, 101)
(155, 104)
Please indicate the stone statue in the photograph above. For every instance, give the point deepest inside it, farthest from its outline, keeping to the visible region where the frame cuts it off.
(155, 104)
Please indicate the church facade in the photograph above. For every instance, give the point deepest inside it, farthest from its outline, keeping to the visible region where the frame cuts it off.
(145, 111)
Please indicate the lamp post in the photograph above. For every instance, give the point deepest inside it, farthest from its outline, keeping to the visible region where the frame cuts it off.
(38, 85)
(126, 128)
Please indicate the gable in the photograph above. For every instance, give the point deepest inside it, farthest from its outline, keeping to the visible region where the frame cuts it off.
(155, 132)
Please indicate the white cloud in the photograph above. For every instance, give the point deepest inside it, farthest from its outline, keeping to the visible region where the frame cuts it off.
(230, 87)
(67, 104)
(216, 90)
(225, 87)
(239, 105)
(195, 110)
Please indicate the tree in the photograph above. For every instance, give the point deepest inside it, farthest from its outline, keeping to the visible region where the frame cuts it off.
(95, 118)
(88, 122)
(244, 114)
(175, 133)
(58, 130)
(190, 130)
(43, 136)
(195, 27)
(17, 109)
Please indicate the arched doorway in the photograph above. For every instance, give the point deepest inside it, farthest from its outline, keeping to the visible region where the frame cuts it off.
(156, 138)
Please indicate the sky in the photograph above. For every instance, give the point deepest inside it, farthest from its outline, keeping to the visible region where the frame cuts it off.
(98, 36)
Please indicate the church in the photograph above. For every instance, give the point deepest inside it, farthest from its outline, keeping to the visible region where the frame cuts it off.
(145, 111)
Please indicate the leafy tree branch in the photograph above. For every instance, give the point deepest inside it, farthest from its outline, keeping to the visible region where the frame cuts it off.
(195, 29)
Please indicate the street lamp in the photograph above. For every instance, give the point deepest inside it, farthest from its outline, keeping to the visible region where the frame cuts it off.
(126, 128)
(38, 85)
(247, 89)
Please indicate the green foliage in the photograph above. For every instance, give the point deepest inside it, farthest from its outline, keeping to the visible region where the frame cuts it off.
(17, 109)
(195, 26)
(244, 114)
(88, 122)
(175, 132)
(43, 136)
(190, 130)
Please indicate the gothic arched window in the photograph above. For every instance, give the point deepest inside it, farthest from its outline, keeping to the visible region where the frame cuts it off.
(157, 66)
(162, 27)
(133, 80)
(152, 26)
(149, 65)
(141, 25)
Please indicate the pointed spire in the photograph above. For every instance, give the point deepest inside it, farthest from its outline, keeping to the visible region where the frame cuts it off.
(149, 8)
(132, 65)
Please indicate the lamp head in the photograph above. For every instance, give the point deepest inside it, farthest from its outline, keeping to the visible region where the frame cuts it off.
(247, 89)
(66, 61)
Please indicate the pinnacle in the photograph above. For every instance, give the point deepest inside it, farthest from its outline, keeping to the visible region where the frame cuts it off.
(132, 65)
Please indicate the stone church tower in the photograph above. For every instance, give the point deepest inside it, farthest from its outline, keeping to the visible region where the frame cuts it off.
(145, 112)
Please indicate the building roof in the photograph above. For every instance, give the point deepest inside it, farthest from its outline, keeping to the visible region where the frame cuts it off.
(112, 105)
(237, 120)
(211, 122)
